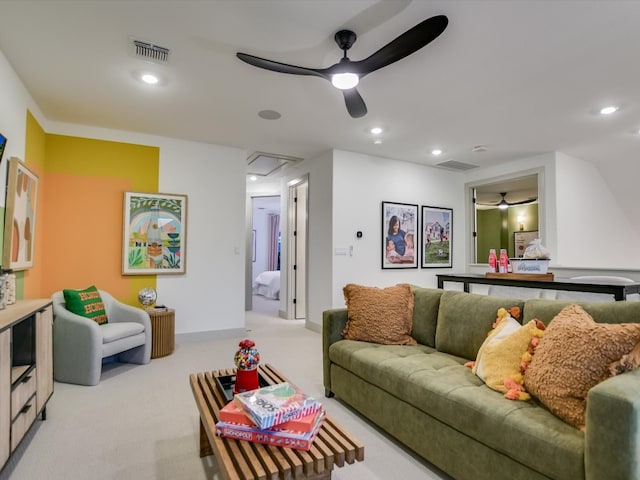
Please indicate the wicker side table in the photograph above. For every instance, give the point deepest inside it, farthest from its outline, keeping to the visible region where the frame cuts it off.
(163, 338)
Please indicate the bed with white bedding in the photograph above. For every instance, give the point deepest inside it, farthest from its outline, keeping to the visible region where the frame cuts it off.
(267, 284)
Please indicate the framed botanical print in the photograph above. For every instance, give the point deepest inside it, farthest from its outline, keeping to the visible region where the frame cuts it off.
(436, 237)
(155, 233)
(399, 235)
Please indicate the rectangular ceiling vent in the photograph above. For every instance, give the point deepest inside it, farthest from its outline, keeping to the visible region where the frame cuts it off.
(453, 165)
(149, 51)
(264, 164)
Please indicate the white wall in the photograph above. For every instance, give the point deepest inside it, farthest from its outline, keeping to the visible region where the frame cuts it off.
(360, 184)
(592, 227)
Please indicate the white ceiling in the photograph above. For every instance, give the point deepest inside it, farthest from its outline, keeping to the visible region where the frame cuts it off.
(522, 77)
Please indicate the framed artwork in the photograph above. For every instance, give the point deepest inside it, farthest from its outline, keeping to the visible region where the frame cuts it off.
(521, 241)
(437, 235)
(155, 233)
(20, 216)
(399, 235)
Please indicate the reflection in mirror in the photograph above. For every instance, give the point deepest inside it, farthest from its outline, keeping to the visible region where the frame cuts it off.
(502, 210)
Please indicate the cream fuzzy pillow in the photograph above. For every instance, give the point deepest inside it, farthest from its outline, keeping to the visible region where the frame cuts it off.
(575, 355)
(379, 315)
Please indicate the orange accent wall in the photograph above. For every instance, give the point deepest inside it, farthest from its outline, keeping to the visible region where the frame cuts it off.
(83, 212)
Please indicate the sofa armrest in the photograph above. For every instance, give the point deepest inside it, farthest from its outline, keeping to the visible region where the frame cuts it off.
(612, 436)
(333, 323)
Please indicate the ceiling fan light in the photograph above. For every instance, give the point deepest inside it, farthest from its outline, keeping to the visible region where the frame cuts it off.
(503, 205)
(345, 81)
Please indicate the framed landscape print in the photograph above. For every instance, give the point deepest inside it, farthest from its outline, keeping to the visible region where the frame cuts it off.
(155, 233)
(20, 216)
(437, 235)
(399, 235)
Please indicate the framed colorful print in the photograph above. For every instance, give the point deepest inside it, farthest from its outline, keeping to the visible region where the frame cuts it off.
(436, 237)
(155, 233)
(20, 216)
(399, 235)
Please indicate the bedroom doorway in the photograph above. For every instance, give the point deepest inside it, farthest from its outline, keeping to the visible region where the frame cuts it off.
(265, 254)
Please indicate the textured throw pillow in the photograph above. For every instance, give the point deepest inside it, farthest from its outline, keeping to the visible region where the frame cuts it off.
(379, 315)
(505, 354)
(87, 303)
(575, 355)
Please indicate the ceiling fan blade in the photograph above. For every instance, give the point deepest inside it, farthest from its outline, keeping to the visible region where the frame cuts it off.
(523, 202)
(409, 42)
(355, 104)
(279, 67)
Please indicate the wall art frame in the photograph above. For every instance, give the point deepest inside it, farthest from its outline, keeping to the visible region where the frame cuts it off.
(20, 216)
(437, 235)
(399, 236)
(154, 233)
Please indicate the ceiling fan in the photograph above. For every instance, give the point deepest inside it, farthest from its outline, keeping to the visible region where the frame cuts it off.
(346, 74)
(503, 204)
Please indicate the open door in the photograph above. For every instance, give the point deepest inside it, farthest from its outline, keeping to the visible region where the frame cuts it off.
(298, 194)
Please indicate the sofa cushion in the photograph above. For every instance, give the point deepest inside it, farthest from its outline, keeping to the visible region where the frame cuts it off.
(117, 330)
(440, 386)
(464, 320)
(425, 314)
(379, 315)
(87, 303)
(609, 312)
(573, 357)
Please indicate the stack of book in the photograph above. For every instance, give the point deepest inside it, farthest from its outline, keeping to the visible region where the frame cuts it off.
(279, 415)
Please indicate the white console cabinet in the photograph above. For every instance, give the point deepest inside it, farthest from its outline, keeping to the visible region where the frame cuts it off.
(26, 369)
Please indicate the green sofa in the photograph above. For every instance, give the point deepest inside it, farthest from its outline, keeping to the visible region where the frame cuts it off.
(425, 397)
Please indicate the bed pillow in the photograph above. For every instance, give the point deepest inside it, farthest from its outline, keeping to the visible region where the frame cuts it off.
(574, 356)
(379, 315)
(86, 303)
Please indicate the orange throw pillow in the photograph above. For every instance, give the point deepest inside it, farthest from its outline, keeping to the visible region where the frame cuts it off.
(379, 315)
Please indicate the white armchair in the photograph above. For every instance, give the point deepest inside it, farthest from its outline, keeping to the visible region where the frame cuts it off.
(80, 344)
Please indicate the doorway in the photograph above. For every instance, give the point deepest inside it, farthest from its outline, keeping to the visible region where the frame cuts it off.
(265, 250)
(297, 228)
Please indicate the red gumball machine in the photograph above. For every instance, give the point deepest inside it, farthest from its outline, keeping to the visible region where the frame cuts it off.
(247, 359)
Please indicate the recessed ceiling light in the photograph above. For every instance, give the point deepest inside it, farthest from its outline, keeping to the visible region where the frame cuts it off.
(608, 110)
(377, 141)
(479, 148)
(436, 152)
(149, 78)
(376, 130)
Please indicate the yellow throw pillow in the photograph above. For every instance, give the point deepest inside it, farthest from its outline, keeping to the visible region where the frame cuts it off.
(379, 315)
(574, 356)
(500, 359)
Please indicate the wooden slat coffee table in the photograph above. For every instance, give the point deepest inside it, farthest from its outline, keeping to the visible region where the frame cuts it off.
(244, 460)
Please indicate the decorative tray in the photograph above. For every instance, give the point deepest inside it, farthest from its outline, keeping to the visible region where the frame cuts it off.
(540, 277)
(227, 382)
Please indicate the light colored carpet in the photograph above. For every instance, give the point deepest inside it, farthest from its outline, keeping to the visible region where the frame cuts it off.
(141, 421)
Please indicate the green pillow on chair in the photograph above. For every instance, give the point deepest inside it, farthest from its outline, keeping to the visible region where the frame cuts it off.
(87, 303)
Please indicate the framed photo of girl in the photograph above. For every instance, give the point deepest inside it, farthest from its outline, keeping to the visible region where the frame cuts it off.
(437, 236)
(399, 235)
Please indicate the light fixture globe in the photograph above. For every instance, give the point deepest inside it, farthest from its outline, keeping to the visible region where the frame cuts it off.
(147, 297)
(345, 81)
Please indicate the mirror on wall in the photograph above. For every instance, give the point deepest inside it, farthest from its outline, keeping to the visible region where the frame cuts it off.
(505, 215)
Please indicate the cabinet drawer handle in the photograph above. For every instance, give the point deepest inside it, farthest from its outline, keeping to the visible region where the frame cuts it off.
(25, 409)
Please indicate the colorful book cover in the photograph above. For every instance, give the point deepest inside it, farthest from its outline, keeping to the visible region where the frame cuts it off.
(234, 413)
(276, 436)
(276, 404)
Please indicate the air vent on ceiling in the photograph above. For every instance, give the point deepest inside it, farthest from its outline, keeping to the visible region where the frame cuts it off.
(453, 165)
(149, 51)
(263, 164)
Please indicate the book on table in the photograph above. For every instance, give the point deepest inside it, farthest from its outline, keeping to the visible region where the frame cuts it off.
(275, 436)
(276, 404)
(235, 414)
